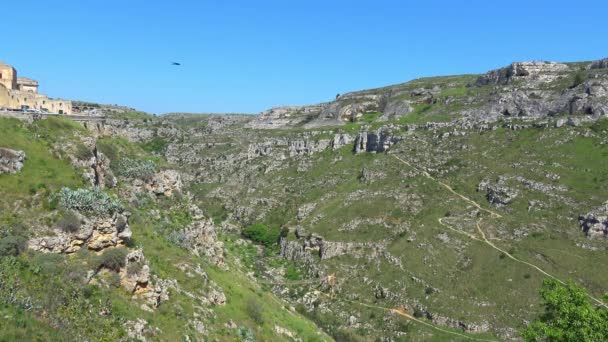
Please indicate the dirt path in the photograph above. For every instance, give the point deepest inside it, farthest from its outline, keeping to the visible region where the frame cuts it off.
(449, 188)
(403, 313)
(482, 236)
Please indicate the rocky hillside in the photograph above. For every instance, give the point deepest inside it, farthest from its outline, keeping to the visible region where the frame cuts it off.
(429, 210)
(100, 240)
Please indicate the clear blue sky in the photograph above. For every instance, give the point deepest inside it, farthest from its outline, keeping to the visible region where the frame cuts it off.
(247, 56)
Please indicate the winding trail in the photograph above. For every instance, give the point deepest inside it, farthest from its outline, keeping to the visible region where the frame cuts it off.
(449, 188)
(403, 313)
(482, 235)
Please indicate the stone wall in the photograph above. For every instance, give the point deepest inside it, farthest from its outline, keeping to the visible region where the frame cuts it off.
(27, 85)
(8, 76)
(15, 93)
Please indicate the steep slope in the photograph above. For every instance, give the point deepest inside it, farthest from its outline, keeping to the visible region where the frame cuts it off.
(454, 210)
(429, 210)
(126, 256)
(523, 89)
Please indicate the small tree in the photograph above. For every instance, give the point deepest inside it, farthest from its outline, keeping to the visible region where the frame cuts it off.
(113, 259)
(70, 222)
(569, 316)
(579, 78)
(261, 233)
(254, 310)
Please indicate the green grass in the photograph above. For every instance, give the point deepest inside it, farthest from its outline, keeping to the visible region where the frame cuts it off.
(416, 116)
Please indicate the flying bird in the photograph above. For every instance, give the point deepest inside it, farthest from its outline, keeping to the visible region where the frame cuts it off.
(176, 63)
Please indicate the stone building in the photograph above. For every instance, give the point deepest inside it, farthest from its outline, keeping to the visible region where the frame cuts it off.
(18, 93)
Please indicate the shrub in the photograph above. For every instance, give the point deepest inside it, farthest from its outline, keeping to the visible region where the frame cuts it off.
(121, 223)
(70, 222)
(156, 145)
(263, 234)
(112, 259)
(292, 273)
(254, 310)
(108, 149)
(114, 280)
(133, 168)
(85, 200)
(134, 268)
(579, 78)
(83, 152)
(11, 244)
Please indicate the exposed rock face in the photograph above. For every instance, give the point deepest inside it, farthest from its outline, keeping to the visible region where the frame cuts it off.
(595, 222)
(95, 233)
(498, 194)
(128, 130)
(138, 330)
(374, 142)
(135, 276)
(369, 250)
(165, 183)
(538, 71)
(157, 291)
(202, 240)
(599, 64)
(284, 116)
(102, 175)
(11, 161)
(216, 297)
(341, 140)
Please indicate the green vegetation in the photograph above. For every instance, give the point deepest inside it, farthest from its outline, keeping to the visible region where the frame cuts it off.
(129, 115)
(579, 78)
(132, 168)
(156, 145)
(370, 117)
(86, 200)
(568, 316)
(69, 222)
(112, 259)
(12, 240)
(417, 115)
(263, 234)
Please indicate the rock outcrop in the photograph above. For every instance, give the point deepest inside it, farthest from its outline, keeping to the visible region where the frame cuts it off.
(11, 161)
(599, 64)
(135, 276)
(95, 233)
(374, 142)
(201, 239)
(164, 183)
(595, 222)
(537, 71)
(498, 194)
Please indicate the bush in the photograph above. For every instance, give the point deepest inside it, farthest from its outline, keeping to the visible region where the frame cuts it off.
(83, 152)
(70, 222)
(134, 268)
(292, 273)
(108, 149)
(121, 223)
(156, 145)
(579, 78)
(254, 310)
(85, 200)
(11, 244)
(263, 234)
(133, 168)
(112, 259)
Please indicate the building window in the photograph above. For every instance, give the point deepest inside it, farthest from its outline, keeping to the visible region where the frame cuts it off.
(0, 75)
